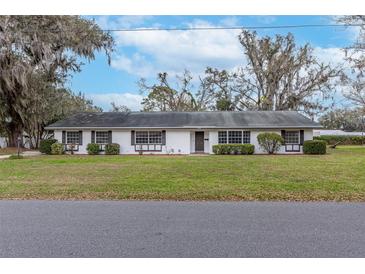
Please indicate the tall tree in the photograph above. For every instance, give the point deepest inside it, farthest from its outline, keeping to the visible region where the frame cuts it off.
(279, 75)
(164, 97)
(355, 55)
(119, 108)
(41, 46)
(347, 120)
(49, 105)
(282, 76)
(217, 89)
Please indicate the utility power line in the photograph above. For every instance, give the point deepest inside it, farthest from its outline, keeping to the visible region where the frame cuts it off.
(238, 27)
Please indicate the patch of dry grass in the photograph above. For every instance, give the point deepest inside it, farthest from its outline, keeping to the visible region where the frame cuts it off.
(11, 150)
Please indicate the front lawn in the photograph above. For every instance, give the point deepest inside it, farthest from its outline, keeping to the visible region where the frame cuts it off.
(339, 176)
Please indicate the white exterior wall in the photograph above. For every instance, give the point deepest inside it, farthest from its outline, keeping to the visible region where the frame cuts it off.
(213, 138)
(192, 141)
(308, 134)
(58, 135)
(177, 141)
(86, 138)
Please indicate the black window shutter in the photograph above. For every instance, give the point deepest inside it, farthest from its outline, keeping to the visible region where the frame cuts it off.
(80, 138)
(283, 135)
(302, 137)
(132, 137)
(92, 137)
(63, 137)
(249, 137)
(109, 136)
(163, 137)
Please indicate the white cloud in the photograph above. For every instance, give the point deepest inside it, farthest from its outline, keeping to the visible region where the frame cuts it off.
(332, 56)
(127, 21)
(137, 64)
(173, 51)
(132, 101)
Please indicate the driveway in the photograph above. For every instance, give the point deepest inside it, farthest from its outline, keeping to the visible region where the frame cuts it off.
(24, 154)
(181, 229)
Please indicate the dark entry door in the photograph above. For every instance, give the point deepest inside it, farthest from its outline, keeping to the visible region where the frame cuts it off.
(199, 141)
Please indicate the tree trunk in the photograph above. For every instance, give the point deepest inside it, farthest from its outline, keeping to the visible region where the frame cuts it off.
(14, 131)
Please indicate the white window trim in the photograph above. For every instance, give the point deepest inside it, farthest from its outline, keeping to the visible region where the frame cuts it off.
(227, 136)
(298, 142)
(107, 137)
(148, 137)
(69, 131)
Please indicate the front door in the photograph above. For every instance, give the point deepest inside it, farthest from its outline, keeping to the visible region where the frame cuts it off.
(199, 141)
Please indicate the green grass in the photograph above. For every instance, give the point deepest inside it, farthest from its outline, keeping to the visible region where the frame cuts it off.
(337, 176)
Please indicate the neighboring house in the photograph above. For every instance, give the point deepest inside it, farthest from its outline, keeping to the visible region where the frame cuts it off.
(336, 132)
(3, 142)
(181, 132)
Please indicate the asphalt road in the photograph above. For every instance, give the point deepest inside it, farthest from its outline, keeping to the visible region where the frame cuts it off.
(181, 229)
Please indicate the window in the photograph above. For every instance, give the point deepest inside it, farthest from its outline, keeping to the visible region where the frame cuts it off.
(246, 137)
(222, 137)
(235, 137)
(101, 137)
(73, 137)
(291, 137)
(141, 137)
(148, 137)
(155, 137)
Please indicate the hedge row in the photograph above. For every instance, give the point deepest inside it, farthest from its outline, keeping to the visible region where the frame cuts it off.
(233, 149)
(112, 149)
(92, 149)
(344, 139)
(314, 147)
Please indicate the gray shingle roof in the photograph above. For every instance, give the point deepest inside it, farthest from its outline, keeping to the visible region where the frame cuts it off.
(211, 119)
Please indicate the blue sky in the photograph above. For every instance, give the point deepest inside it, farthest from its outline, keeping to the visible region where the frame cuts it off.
(144, 54)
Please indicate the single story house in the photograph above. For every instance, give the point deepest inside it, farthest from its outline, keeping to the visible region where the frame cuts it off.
(181, 132)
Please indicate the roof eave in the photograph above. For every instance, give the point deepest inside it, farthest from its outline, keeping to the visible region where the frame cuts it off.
(194, 127)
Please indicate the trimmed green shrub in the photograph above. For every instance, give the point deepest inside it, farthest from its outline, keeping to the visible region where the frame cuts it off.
(15, 157)
(233, 149)
(45, 145)
(92, 149)
(57, 149)
(270, 142)
(314, 147)
(112, 149)
(344, 139)
(247, 149)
